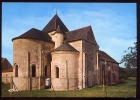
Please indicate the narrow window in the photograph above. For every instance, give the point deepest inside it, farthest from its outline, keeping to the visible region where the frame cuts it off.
(33, 71)
(16, 70)
(45, 71)
(6, 78)
(57, 72)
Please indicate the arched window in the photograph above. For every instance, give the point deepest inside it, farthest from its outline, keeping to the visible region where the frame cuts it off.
(45, 71)
(57, 72)
(33, 71)
(16, 70)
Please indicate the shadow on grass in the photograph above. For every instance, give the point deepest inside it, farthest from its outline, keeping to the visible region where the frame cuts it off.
(121, 82)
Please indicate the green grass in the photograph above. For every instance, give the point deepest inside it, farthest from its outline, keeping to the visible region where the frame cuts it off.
(125, 89)
(132, 78)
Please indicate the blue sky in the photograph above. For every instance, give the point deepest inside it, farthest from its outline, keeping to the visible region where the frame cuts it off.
(114, 24)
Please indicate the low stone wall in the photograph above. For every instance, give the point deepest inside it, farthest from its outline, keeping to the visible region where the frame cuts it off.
(6, 77)
(29, 83)
(6, 80)
(21, 83)
(60, 84)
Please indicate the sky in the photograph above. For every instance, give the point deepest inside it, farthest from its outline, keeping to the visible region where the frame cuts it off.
(114, 24)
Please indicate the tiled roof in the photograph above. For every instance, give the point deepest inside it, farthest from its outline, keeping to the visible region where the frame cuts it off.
(9, 70)
(65, 47)
(5, 64)
(53, 24)
(84, 33)
(2, 60)
(35, 34)
(106, 57)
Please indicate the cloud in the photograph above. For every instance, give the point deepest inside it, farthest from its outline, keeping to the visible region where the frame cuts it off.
(115, 47)
(114, 32)
(6, 53)
(16, 27)
(8, 33)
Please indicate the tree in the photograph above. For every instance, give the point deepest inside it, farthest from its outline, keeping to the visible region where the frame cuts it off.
(127, 72)
(130, 59)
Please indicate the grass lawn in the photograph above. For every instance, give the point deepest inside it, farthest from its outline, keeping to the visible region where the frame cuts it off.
(125, 89)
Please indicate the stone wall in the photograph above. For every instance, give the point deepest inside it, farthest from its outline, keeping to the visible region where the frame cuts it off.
(90, 63)
(62, 84)
(111, 72)
(115, 73)
(6, 77)
(22, 83)
(57, 38)
(81, 61)
(29, 52)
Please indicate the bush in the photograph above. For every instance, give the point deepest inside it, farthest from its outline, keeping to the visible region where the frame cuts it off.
(123, 76)
(131, 72)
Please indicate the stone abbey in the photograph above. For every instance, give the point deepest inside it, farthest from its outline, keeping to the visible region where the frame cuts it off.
(71, 59)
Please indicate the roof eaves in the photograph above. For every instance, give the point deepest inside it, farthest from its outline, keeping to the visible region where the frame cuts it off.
(107, 57)
(31, 38)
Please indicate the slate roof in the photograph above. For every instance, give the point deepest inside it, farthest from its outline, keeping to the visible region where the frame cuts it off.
(84, 33)
(53, 24)
(65, 47)
(35, 34)
(106, 57)
(59, 30)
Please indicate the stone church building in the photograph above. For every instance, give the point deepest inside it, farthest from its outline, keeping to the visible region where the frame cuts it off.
(71, 59)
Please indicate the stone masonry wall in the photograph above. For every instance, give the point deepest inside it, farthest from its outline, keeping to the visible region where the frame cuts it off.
(28, 52)
(90, 59)
(81, 61)
(112, 73)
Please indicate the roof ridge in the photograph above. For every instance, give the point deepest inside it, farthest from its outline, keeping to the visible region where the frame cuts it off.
(79, 28)
(34, 29)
